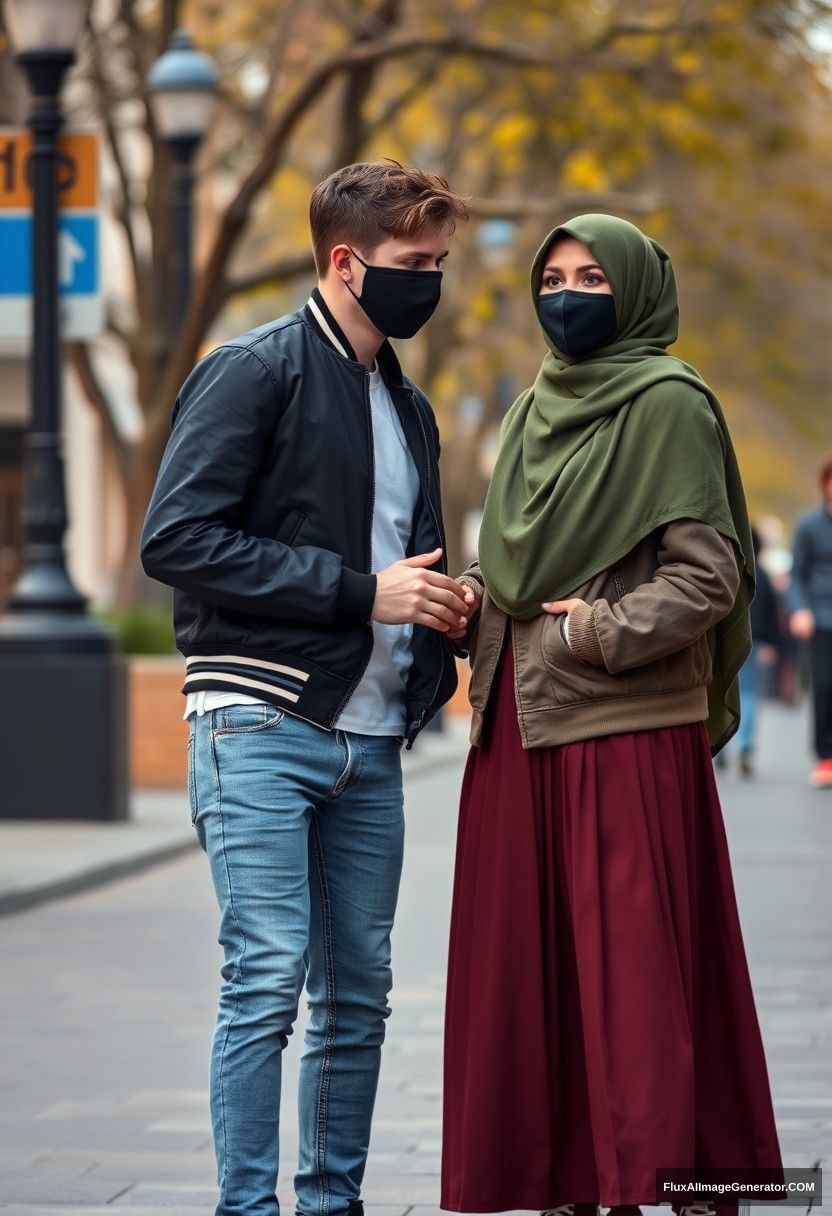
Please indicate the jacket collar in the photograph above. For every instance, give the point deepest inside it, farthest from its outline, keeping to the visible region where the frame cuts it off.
(317, 314)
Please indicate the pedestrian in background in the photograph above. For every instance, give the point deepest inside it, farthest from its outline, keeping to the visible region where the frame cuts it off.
(766, 636)
(810, 601)
(600, 1017)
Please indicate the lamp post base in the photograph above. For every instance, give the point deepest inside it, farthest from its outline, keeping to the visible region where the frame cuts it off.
(63, 720)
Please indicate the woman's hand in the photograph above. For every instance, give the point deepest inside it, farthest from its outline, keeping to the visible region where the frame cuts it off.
(802, 624)
(459, 631)
(558, 606)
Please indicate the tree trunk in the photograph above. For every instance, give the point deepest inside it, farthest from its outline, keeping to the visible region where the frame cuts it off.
(133, 585)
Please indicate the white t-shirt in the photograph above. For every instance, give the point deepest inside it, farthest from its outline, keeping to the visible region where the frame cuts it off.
(376, 706)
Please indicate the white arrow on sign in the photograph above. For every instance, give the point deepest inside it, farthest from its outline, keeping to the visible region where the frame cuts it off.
(69, 252)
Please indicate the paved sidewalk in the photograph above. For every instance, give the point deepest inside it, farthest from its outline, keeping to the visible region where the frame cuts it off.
(51, 858)
(108, 1000)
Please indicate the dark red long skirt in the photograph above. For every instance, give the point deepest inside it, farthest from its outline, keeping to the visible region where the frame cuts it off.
(600, 1020)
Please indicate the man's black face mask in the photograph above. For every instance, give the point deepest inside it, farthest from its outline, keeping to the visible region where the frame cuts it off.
(398, 302)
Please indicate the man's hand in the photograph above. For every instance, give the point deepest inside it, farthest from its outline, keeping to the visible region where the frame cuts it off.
(802, 624)
(408, 593)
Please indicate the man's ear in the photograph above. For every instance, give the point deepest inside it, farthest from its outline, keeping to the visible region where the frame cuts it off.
(342, 262)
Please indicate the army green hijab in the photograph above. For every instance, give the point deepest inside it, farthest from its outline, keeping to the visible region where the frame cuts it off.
(606, 447)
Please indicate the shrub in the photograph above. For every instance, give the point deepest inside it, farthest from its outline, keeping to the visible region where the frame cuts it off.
(143, 629)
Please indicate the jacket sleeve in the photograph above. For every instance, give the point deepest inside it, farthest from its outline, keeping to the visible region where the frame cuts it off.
(694, 587)
(797, 596)
(191, 539)
(471, 578)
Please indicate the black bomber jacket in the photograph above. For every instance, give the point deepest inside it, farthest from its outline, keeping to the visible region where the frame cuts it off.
(261, 520)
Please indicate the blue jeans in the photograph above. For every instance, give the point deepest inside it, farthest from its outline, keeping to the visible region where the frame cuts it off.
(750, 675)
(304, 831)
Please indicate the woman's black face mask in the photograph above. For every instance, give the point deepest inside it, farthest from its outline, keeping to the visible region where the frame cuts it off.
(577, 321)
(398, 302)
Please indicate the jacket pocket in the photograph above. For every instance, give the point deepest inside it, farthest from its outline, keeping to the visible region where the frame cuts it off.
(571, 680)
(192, 769)
(246, 719)
(291, 525)
(286, 533)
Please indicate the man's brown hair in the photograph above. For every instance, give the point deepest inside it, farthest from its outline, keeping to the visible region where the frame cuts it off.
(365, 204)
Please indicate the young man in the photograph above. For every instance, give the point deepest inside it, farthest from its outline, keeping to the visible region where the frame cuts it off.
(810, 601)
(297, 515)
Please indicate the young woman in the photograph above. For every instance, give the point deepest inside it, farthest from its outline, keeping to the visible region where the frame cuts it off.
(600, 1018)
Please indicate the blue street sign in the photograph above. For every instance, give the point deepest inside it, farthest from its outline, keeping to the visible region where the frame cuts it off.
(78, 261)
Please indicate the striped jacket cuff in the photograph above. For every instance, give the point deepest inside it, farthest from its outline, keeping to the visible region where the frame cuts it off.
(242, 673)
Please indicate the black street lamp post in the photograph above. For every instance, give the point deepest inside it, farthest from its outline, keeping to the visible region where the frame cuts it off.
(183, 86)
(63, 749)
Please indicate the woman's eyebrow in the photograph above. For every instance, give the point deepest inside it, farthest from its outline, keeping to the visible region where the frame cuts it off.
(579, 269)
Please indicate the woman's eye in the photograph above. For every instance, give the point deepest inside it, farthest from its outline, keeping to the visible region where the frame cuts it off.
(593, 280)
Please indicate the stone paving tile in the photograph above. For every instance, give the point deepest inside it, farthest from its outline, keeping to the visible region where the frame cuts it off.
(155, 1100)
(424, 1210)
(408, 1125)
(422, 1163)
(62, 1209)
(422, 1089)
(166, 1195)
(419, 1189)
(134, 1162)
(13, 1159)
(30, 1186)
(428, 1145)
(190, 1124)
(29, 1134)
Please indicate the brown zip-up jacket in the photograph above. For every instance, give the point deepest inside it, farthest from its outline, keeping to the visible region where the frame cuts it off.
(639, 651)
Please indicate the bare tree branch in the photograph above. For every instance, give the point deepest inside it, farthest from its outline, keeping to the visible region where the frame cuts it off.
(610, 200)
(142, 45)
(106, 108)
(81, 362)
(396, 104)
(279, 271)
(169, 22)
(115, 327)
(660, 29)
(352, 132)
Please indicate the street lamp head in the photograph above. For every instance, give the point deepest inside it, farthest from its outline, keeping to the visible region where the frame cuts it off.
(495, 238)
(183, 84)
(45, 26)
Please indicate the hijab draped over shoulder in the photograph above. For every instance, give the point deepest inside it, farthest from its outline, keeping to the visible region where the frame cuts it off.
(606, 447)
